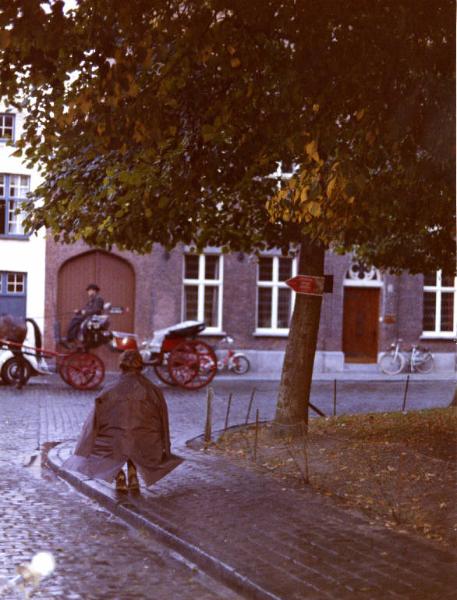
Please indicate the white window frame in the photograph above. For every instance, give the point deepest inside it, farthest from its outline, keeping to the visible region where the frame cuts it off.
(14, 221)
(274, 284)
(3, 127)
(438, 290)
(201, 283)
(17, 281)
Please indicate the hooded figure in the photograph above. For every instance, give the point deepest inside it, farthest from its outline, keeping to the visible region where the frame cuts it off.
(128, 424)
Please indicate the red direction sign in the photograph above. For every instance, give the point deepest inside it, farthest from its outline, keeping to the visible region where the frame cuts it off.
(307, 284)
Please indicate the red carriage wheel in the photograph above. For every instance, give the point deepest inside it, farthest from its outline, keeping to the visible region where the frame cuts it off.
(60, 364)
(162, 370)
(82, 370)
(192, 364)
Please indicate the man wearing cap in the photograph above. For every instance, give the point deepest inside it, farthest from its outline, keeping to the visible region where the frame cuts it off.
(128, 424)
(94, 306)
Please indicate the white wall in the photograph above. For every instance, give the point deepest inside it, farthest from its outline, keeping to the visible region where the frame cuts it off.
(24, 255)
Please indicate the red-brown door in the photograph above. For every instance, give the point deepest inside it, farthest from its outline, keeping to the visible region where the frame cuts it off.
(360, 328)
(116, 280)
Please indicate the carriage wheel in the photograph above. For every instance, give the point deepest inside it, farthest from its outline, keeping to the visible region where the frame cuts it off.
(192, 365)
(16, 371)
(162, 370)
(82, 370)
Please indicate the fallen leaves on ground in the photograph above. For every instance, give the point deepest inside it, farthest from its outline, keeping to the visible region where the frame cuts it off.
(398, 468)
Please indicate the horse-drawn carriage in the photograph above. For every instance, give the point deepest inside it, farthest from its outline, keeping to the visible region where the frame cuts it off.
(176, 355)
(22, 354)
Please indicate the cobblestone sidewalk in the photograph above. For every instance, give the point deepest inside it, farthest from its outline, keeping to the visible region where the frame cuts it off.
(269, 542)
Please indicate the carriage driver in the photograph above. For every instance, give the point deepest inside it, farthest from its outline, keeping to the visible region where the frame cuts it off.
(94, 306)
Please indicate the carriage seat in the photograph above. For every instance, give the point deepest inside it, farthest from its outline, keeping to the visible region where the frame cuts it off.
(94, 331)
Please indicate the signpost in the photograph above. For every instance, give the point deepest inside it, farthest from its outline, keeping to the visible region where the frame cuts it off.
(307, 284)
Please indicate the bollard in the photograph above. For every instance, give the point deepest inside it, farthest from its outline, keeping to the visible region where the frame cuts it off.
(250, 406)
(208, 424)
(256, 437)
(229, 404)
(405, 394)
(334, 397)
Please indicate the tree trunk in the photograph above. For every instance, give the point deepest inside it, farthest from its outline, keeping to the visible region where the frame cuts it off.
(297, 371)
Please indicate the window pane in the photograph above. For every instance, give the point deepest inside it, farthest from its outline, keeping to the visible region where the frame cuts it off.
(191, 266)
(211, 267)
(430, 279)
(19, 186)
(447, 311)
(190, 303)
(429, 311)
(15, 220)
(6, 126)
(447, 280)
(284, 302)
(264, 307)
(265, 269)
(2, 217)
(285, 269)
(211, 296)
(15, 283)
(2, 185)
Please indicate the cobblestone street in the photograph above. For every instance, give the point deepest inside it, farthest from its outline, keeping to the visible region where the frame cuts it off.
(97, 556)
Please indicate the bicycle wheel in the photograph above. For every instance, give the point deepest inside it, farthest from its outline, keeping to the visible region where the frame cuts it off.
(425, 363)
(240, 365)
(391, 363)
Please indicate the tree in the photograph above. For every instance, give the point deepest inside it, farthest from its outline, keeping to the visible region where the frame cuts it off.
(162, 121)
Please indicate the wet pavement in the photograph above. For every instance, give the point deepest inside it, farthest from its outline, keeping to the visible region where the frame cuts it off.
(242, 520)
(97, 555)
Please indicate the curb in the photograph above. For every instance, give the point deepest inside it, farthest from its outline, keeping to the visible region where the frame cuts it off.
(129, 514)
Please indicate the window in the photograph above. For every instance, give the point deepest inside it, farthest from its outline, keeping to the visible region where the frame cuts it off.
(13, 191)
(440, 305)
(274, 298)
(13, 293)
(15, 283)
(203, 290)
(6, 127)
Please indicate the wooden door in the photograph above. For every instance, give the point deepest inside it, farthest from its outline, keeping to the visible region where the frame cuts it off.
(360, 327)
(116, 280)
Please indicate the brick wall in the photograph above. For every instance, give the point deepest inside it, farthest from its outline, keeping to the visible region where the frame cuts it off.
(159, 290)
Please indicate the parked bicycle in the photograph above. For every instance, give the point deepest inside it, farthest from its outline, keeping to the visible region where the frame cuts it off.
(234, 361)
(418, 359)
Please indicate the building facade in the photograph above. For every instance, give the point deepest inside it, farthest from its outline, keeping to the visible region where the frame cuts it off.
(246, 297)
(22, 257)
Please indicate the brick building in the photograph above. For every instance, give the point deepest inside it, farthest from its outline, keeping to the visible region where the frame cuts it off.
(246, 297)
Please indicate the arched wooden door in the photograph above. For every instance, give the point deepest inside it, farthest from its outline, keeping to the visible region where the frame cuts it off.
(116, 280)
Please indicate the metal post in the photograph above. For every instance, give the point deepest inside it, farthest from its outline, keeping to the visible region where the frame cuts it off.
(229, 403)
(405, 394)
(250, 406)
(334, 397)
(208, 424)
(256, 437)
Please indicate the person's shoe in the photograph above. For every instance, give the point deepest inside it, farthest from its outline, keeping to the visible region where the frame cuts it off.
(134, 484)
(121, 484)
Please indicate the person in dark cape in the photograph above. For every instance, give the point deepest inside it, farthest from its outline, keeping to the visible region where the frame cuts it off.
(128, 424)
